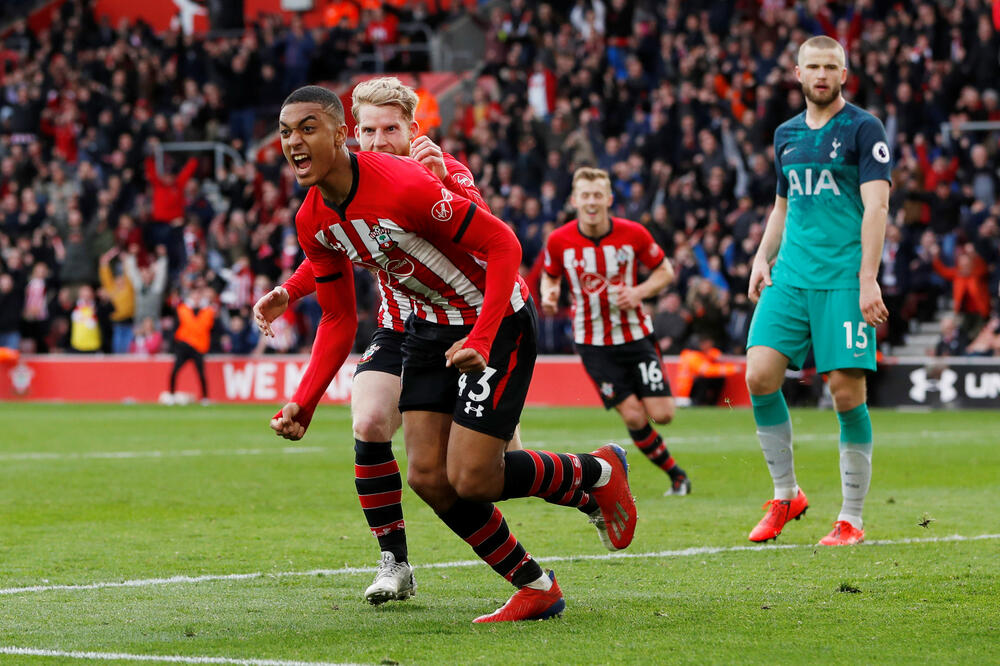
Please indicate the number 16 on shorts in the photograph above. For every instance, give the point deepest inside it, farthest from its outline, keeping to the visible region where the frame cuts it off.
(652, 375)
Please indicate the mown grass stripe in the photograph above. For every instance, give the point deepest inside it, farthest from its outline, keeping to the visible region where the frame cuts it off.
(684, 552)
(944, 436)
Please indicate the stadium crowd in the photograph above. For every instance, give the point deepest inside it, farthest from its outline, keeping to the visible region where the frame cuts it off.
(677, 100)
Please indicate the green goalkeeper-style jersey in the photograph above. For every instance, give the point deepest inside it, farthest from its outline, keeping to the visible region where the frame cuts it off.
(820, 172)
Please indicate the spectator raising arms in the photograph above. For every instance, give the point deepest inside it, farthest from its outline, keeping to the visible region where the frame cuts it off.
(969, 290)
(195, 318)
(118, 288)
(168, 209)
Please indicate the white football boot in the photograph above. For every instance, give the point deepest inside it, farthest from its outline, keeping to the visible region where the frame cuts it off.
(393, 581)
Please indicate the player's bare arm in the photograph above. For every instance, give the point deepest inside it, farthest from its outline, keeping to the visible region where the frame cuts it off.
(269, 307)
(875, 197)
(760, 274)
(630, 298)
(550, 293)
(428, 153)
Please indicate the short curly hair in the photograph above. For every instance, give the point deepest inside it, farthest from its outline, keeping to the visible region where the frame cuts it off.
(318, 95)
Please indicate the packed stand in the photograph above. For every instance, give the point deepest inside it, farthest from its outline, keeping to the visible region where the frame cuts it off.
(99, 244)
(680, 100)
(677, 100)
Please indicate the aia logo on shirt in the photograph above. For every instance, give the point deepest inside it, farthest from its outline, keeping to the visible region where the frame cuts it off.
(382, 237)
(442, 211)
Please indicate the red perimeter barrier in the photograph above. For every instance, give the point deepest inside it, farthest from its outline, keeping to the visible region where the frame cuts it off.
(559, 381)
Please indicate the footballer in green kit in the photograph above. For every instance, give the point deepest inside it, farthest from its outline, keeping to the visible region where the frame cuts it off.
(814, 280)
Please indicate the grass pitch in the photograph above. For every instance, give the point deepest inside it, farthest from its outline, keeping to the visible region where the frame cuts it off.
(237, 548)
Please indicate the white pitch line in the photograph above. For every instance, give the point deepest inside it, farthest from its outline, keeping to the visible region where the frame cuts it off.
(183, 453)
(172, 659)
(684, 552)
(833, 436)
(190, 453)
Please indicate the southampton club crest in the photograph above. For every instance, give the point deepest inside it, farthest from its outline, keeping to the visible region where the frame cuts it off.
(367, 356)
(607, 390)
(382, 237)
(20, 378)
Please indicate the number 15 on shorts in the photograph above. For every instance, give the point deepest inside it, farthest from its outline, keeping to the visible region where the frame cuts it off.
(859, 339)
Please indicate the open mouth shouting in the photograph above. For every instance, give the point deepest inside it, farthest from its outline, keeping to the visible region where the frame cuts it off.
(301, 163)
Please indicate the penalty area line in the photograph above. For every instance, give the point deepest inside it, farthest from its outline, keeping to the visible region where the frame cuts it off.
(170, 659)
(683, 552)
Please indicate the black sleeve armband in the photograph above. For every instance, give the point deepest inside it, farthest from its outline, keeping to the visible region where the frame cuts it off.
(329, 278)
(465, 223)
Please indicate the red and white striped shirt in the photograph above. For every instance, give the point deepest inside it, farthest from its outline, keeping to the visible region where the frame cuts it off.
(431, 244)
(394, 304)
(595, 268)
(403, 224)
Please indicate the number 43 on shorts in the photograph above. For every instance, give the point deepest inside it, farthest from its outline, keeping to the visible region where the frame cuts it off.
(481, 390)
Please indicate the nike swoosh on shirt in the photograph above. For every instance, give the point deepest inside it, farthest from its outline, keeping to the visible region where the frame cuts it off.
(787, 150)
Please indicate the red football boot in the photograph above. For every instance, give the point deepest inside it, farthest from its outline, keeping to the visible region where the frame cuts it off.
(779, 512)
(843, 534)
(529, 604)
(615, 497)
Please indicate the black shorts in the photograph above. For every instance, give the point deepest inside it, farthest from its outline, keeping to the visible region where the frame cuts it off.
(384, 353)
(490, 401)
(619, 371)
